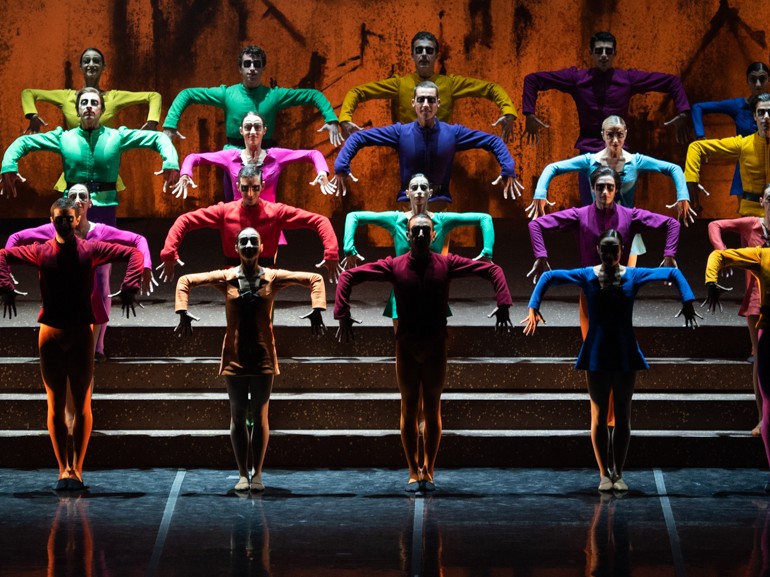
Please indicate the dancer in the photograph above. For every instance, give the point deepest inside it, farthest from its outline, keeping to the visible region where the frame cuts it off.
(92, 65)
(238, 99)
(598, 92)
(268, 218)
(739, 109)
(86, 230)
(427, 146)
(421, 280)
(396, 221)
(751, 152)
(249, 361)
(753, 231)
(425, 54)
(588, 222)
(626, 164)
(755, 260)
(90, 154)
(66, 264)
(271, 161)
(610, 354)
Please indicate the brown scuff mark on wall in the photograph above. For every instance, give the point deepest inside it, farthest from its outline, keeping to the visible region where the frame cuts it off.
(241, 8)
(273, 11)
(480, 24)
(522, 22)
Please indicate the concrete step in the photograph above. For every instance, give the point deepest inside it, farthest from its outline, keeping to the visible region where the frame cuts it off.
(345, 410)
(729, 342)
(382, 448)
(22, 374)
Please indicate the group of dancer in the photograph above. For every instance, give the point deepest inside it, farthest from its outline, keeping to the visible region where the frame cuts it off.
(73, 252)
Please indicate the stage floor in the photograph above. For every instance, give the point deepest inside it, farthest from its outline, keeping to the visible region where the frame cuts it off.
(480, 522)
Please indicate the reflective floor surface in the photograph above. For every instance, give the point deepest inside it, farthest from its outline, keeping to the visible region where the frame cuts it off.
(351, 523)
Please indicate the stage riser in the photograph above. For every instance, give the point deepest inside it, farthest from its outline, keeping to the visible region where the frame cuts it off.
(287, 412)
(342, 451)
(727, 342)
(351, 374)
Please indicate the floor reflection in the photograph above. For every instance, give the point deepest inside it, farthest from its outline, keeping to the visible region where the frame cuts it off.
(250, 541)
(608, 551)
(71, 540)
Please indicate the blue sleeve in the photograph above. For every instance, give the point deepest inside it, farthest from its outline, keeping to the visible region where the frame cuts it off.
(580, 163)
(718, 107)
(649, 164)
(383, 136)
(642, 276)
(577, 276)
(467, 139)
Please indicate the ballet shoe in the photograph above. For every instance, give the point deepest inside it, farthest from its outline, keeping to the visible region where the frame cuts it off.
(605, 484)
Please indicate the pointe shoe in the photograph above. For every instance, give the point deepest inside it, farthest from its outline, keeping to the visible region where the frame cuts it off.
(242, 484)
(620, 485)
(605, 484)
(257, 484)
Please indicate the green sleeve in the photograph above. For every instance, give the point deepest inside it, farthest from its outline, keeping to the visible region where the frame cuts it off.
(150, 139)
(386, 220)
(48, 141)
(387, 88)
(484, 221)
(288, 97)
(214, 96)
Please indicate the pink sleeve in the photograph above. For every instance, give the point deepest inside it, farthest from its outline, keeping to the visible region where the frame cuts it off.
(741, 226)
(30, 235)
(108, 233)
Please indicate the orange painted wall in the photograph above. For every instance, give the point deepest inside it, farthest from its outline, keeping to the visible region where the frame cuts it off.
(335, 44)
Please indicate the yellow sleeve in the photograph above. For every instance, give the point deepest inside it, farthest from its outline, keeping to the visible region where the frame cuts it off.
(746, 258)
(729, 148)
(464, 87)
(381, 89)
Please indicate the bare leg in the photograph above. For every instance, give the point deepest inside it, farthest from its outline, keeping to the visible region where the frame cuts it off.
(238, 393)
(751, 322)
(53, 371)
(433, 379)
(259, 390)
(408, 377)
(632, 258)
(623, 390)
(80, 368)
(599, 387)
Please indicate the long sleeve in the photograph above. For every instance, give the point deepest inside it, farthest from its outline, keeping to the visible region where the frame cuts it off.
(715, 148)
(380, 270)
(221, 158)
(208, 217)
(649, 164)
(580, 163)
(108, 233)
(379, 89)
(452, 220)
(150, 139)
(216, 279)
(387, 220)
(749, 259)
(468, 139)
(562, 80)
(563, 220)
(31, 235)
(660, 82)
(312, 281)
(465, 87)
(577, 276)
(294, 218)
(727, 107)
(120, 99)
(23, 145)
(29, 96)
(463, 267)
(664, 274)
(646, 220)
(745, 227)
(214, 96)
(107, 252)
(284, 156)
(384, 136)
(288, 97)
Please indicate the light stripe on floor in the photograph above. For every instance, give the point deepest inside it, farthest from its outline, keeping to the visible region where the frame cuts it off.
(160, 540)
(417, 536)
(668, 516)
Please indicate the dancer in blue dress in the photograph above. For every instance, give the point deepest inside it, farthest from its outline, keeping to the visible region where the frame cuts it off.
(610, 353)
